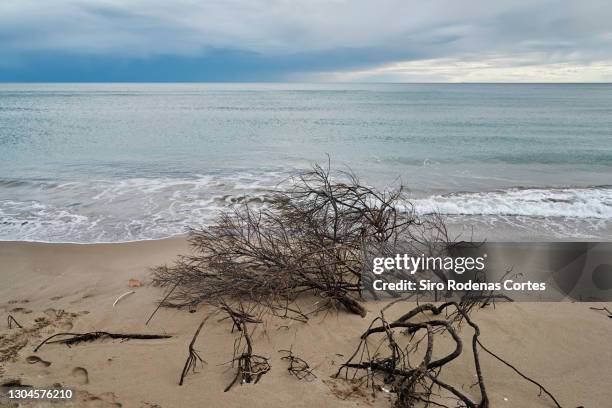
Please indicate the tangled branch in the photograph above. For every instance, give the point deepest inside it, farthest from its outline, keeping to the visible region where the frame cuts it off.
(318, 237)
(390, 362)
(250, 367)
(298, 367)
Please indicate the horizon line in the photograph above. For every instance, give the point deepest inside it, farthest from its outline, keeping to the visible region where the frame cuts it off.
(311, 83)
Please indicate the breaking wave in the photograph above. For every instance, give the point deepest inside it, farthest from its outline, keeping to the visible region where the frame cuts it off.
(152, 208)
(591, 202)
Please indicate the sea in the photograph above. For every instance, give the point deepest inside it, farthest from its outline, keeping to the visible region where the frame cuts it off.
(89, 163)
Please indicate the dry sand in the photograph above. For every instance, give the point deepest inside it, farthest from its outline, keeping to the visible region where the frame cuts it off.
(564, 345)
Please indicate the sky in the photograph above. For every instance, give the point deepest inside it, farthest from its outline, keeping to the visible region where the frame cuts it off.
(305, 41)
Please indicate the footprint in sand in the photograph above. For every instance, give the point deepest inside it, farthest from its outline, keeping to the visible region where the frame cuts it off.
(110, 398)
(20, 310)
(37, 360)
(80, 374)
(66, 326)
(12, 302)
(54, 313)
(105, 400)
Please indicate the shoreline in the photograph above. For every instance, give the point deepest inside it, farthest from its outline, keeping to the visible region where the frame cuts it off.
(172, 237)
(470, 229)
(53, 288)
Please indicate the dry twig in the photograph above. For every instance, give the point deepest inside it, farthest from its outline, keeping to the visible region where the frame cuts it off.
(75, 338)
(603, 309)
(297, 366)
(193, 357)
(162, 302)
(10, 320)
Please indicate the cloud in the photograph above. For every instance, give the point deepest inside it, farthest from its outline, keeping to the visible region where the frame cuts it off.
(353, 35)
(517, 68)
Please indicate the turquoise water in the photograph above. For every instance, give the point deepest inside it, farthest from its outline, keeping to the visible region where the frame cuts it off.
(116, 162)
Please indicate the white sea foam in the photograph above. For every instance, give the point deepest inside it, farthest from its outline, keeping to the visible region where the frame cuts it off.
(594, 202)
(124, 210)
(143, 208)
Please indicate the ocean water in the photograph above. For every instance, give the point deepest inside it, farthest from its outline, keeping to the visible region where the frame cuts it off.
(120, 162)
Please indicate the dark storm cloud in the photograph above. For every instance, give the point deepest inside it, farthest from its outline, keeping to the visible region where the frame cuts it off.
(274, 40)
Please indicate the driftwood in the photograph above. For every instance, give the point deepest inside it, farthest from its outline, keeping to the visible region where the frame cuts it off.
(10, 320)
(412, 383)
(193, 357)
(75, 338)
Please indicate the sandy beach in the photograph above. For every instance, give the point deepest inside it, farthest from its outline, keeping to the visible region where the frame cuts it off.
(52, 288)
(273, 204)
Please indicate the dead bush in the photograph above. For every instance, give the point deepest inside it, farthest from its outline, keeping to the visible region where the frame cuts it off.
(315, 237)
